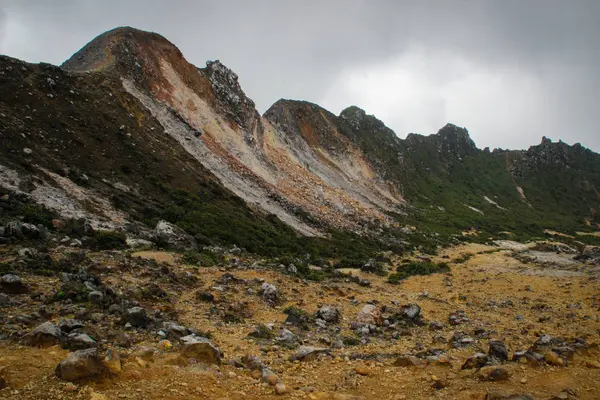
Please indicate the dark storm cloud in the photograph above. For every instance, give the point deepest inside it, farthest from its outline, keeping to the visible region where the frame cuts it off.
(510, 71)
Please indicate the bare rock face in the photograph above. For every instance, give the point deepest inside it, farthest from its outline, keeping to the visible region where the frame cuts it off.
(170, 236)
(233, 101)
(81, 365)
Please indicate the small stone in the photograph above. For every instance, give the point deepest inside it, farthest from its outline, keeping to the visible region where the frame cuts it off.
(205, 297)
(408, 361)
(269, 293)
(256, 374)
(280, 388)
(165, 345)
(478, 360)
(554, 359)
(308, 353)
(438, 383)
(369, 315)
(592, 364)
(95, 297)
(498, 350)
(112, 361)
(498, 375)
(70, 387)
(329, 314)
(270, 378)
(362, 371)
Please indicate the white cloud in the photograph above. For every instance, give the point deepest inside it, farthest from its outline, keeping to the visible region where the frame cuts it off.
(420, 91)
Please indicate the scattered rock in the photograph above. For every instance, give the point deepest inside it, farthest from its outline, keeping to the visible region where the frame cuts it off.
(67, 325)
(329, 314)
(498, 351)
(494, 374)
(200, 349)
(287, 337)
(79, 341)
(44, 335)
(269, 293)
(280, 388)
(96, 297)
(553, 358)
(411, 312)
(81, 365)
(369, 315)
(408, 361)
(206, 297)
(112, 361)
(477, 360)
(12, 284)
(528, 357)
(306, 353)
(137, 317)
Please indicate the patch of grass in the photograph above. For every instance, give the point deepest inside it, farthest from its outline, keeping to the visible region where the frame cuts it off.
(417, 268)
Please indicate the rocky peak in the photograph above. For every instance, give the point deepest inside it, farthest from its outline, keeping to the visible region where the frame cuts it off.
(308, 120)
(354, 116)
(450, 140)
(230, 95)
(557, 154)
(122, 46)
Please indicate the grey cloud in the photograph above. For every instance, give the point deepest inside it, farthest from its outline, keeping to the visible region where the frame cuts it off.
(510, 71)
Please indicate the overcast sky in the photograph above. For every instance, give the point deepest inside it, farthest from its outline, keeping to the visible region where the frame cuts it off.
(510, 71)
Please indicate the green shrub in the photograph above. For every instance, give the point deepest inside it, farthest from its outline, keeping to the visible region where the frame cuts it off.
(202, 258)
(463, 258)
(109, 240)
(417, 268)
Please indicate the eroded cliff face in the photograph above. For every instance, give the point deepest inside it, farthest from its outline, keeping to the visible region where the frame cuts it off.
(293, 162)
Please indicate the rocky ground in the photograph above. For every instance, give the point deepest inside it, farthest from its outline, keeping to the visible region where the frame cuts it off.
(509, 321)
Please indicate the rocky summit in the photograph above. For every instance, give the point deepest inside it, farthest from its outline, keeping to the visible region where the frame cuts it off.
(161, 239)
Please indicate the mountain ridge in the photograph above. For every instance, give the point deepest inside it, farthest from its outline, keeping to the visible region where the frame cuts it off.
(309, 168)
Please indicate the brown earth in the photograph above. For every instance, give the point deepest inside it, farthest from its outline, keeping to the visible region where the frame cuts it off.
(568, 303)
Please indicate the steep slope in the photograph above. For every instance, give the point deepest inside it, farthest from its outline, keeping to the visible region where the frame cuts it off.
(274, 166)
(83, 147)
(128, 130)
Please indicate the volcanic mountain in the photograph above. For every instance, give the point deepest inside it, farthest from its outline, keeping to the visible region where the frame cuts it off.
(128, 132)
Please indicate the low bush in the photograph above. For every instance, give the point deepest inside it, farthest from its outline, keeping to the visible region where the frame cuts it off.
(108, 240)
(417, 268)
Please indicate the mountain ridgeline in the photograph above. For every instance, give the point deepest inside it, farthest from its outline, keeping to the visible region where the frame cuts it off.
(127, 132)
